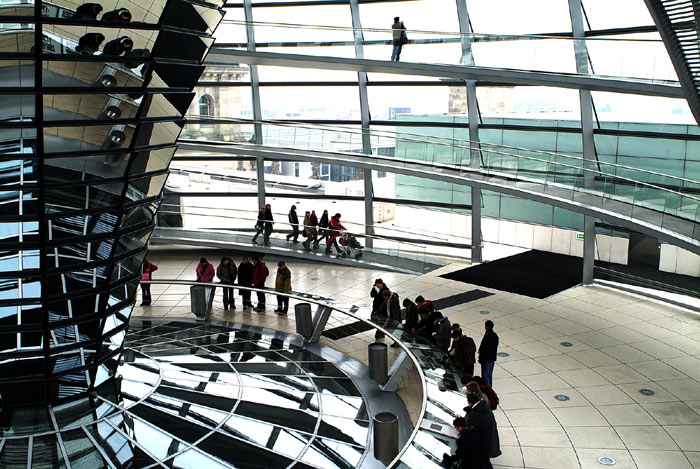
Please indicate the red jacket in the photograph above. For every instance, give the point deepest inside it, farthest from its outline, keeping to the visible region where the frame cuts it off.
(260, 273)
(205, 274)
(146, 270)
(336, 226)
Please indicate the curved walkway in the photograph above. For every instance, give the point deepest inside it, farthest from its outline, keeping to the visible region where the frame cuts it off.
(632, 213)
(388, 259)
(460, 72)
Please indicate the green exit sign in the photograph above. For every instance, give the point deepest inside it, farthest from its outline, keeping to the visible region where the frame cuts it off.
(579, 236)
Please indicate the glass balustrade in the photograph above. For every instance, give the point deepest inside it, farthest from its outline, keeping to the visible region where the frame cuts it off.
(607, 57)
(621, 190)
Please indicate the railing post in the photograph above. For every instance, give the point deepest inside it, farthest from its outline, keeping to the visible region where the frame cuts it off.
(377, 361)
(319, 323)
(304, 323)
(386, 436)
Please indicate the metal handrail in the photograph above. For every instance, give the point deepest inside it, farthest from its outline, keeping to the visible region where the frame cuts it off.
(478, 147)
(361, 235)
(416, 138)
(481, 36)
(326, 303)
(300, 225)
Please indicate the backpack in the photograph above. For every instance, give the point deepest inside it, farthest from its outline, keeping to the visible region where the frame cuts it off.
(493, 397)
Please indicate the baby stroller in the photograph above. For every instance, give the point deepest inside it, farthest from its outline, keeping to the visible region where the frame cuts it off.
(351, 246)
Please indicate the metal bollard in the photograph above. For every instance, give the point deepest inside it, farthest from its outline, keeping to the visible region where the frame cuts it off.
(377, 358)
(386, 436)
(302, 314)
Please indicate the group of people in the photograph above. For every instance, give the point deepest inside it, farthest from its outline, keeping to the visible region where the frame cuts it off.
(422, 319)
(249, 274)
(312, 228)
(90, 43)
(477, 440)
(478, 433)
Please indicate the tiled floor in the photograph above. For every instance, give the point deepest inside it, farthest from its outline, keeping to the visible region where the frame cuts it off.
(620, 344)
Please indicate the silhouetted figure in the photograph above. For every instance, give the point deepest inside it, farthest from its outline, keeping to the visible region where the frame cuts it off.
(90, 43)
(120, 15)
(88, 11)
(119, 46)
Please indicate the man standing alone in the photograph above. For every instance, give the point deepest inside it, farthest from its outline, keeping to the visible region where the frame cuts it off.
(398, 36)
(487, 353)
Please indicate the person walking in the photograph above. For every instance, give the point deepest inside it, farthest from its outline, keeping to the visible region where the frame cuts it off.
(488, 351)
(260, 273)
(227, 273)
(283, 284)
(322, 227)
(259, 225)
(399, 38)
(269, 221)
(245, 278)
(205, 271)
(307, 231)
(147, 270)
(314, 227)
(335, 227)
(294, 222)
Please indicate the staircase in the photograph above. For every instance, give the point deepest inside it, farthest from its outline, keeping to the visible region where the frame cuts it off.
(677, 22)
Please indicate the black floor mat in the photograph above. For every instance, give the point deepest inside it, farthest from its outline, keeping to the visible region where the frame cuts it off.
(455, 300)
(538, 274)
(341, 332)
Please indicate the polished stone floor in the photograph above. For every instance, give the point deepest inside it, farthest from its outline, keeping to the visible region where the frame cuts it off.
(571, 384)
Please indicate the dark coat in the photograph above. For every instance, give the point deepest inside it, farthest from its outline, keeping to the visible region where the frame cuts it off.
(245, 273)
(465, 352)
(489, 347)
(115, 15)
(293, 217)
(261, 220)
(227, 273)
(394, 309)
(411, 317)
(268, 218)
(466, 452)
(323, 223)
(378, 298)
(86, 11)
(482, 420)
(117, 47)
(89, 43)
(442, 336)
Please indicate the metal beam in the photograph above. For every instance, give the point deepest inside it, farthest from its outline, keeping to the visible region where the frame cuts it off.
(365, 116)
(506, 184)
(587, 141)
(458, 72)
(473, 116)
(399, 369)
(257, 108)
